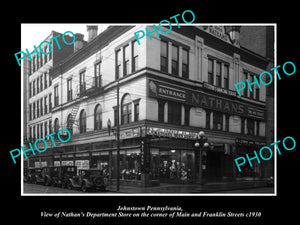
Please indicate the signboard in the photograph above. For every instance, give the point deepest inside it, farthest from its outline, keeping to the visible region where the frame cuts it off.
(40, 164)
(82, 164)
(242, 141)
(67, 163)
(171, 133)
(218, 31)
(201, 99)
(218, 89)
(132, 133)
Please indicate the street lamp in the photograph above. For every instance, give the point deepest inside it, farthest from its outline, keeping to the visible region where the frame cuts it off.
(201, 144)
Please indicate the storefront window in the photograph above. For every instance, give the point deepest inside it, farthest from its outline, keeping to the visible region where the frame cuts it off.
(175, 166)
(247, 170)
(130, 165)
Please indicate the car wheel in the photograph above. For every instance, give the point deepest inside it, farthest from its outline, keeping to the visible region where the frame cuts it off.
(84, 187)
(69, 185)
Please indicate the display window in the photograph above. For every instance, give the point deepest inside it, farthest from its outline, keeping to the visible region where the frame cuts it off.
(173, 166)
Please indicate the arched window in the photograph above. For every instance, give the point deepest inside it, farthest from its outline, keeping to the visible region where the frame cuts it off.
(126, 110)
(56, 125)
(82, 121)
(70, 123)
(98, 117)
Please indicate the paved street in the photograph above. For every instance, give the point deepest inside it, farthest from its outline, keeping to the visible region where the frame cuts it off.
(41, 189)
(263, 190)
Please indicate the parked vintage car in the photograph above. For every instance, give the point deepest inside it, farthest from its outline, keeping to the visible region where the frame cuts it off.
(58, 175)
(32, 174)
(48, 173)
(88, 179)
(38, 176)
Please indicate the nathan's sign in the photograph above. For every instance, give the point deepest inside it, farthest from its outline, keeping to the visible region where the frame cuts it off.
(201, 99)
(218, 31)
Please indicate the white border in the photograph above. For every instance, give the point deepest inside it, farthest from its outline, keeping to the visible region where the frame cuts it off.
(167, 194)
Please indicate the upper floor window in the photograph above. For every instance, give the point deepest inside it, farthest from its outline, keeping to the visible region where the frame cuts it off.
(82, 121)
(45, 80)
(217, 120)
(210, 77)
(245, 90)
(45, 104)
(82, 84)
(226, 76)
(37, 85)
(50, 102)
(98, 79)
(30, 112)
(250, 126)
(161, 111)
(174, 113)
(33, 64)
(98, 117)
(126, 60)
(135, 56)
(175, 56)
(185, 63)
(30, 92)
(69, 89)
(218, 74)
(41, 82)
(29, 67)
(56, 97)
(70, 123)
(45, 56)
(118, 64)
(56, 125)
(126, 111)
(33, 88)
(164, 56)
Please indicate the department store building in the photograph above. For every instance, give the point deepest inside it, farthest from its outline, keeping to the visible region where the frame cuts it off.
(170, 88)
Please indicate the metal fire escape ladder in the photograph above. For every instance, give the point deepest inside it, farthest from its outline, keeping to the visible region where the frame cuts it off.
(71, 119)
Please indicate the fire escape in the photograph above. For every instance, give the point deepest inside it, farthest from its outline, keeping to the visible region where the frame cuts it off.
(72, 115)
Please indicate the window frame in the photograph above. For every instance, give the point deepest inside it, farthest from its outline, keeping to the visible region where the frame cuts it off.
(97, 75)
(210, 74)
(118, 64)
(185, 74)
(175, 61)
(126, 60)
(165, 67)
(56, 96)
(82, 122)
(69, 89)
(135, 56)
(98, 117)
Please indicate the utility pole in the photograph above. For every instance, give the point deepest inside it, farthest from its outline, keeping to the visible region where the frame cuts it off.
(118, 137)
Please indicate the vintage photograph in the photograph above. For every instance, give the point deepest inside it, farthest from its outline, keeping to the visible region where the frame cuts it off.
(149, 109)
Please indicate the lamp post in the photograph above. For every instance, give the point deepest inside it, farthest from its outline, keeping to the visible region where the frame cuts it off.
(201, 144)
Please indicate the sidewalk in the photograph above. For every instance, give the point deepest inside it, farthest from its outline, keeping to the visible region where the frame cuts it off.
(210, 187)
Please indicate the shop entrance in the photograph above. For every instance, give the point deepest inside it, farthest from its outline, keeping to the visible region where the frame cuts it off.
(213, 166)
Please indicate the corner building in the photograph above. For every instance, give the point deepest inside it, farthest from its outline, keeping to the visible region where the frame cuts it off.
(170, 88)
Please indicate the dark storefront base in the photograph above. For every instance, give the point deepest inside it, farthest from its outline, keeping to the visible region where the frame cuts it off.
(170, 162)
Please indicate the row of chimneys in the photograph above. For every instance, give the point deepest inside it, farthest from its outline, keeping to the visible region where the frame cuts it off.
(79, 42)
